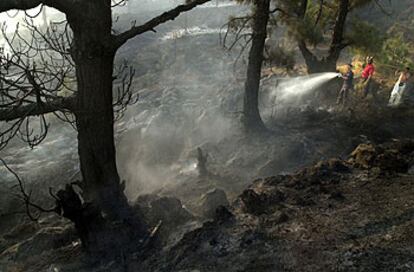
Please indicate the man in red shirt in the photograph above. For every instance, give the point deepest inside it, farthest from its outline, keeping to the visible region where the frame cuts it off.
(367, 75)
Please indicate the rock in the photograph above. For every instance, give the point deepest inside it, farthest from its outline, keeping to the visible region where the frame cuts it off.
(174, 217)
(259, 203)
(253, 202)
(363, 156)
(392, 158)
(323, 173)
(324, 169)
(223, 214)
(211, 201)
(338, 166)
(392, 161)
(169, 210)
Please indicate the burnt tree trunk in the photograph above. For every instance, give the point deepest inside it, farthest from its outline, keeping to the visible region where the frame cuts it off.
(337, 43)
(315, 64)
(328, 63)
(94, 58)
(103, 217)
(252, 120)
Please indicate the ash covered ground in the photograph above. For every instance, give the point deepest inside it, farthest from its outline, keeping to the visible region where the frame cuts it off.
(305, 211)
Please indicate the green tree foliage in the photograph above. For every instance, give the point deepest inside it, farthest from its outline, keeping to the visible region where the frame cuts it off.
(317, 23)
(281, 55)
(323, 23)
(311, 27)
(364, 38)
(396, 52)
(327, 23)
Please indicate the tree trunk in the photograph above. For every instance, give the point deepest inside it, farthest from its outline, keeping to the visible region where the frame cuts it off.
(328, 63)
(251, 114)
(94, 59)
(103, 217)
(321, 66)
(314, 64)
(339, 29)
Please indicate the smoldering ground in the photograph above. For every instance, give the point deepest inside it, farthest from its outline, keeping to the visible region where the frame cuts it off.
(163, 121)
(189, 97)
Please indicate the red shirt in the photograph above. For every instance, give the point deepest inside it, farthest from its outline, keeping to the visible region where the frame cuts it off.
(368, 71)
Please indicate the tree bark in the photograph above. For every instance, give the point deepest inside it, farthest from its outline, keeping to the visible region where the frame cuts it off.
(252, 120)
(339, 29)
(315, 64)
(94, 59)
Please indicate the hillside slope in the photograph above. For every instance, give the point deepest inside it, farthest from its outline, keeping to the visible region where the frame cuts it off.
(354, 215)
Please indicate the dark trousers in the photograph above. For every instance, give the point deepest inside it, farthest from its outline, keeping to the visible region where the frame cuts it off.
(368, 88)
(343, 95)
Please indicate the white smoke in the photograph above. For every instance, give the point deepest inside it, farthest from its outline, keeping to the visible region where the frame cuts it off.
(189, 98)
(219, 4)
(193, 31)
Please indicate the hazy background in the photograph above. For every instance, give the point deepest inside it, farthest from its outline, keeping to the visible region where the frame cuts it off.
(190, 96)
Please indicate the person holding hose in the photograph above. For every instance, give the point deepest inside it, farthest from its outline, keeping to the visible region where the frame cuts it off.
(347, 86)
(367, 75)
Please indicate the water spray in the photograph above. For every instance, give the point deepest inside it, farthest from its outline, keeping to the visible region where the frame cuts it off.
(289, 89)
(289, 93)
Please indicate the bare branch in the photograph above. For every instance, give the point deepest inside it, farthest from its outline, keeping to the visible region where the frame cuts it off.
(59, 104)
(62, 5)
(6, 5)
(37, 76)
(122, 38)
(124, 94)
(320, 11)
(118, 3)
(25, 197)
(382, 8)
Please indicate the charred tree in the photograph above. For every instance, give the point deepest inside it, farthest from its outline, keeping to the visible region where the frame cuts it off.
(92, 52)
(252, 120)
(94, 60)
(327, 63)
(202, 163)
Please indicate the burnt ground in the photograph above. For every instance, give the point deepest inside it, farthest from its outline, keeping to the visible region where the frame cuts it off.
(353, 215)
(350, 213)
(337, 216)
